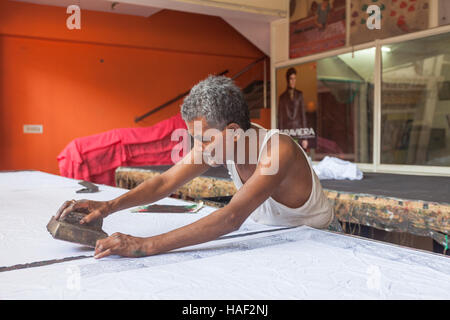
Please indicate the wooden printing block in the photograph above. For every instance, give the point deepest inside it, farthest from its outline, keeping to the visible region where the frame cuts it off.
(70, 229)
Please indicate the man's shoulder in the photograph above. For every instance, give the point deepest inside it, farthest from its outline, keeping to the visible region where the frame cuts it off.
(286, 144)
(287, 140)
(279, 154)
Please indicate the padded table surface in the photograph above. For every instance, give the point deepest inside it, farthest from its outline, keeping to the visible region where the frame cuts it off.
(413, 187)
(256, 262)
(425, 188)
(419, 205)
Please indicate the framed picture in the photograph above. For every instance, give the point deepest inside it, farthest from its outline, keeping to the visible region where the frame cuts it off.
(397, 17)
(296, 103)
(316, 26)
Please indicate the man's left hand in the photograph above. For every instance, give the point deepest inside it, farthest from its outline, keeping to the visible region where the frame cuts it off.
(120, 244)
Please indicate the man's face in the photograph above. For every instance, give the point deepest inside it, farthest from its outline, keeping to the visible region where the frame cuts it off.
(209, 141)
(292, 80)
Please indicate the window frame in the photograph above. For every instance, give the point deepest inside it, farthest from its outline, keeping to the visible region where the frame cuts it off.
(376, 165)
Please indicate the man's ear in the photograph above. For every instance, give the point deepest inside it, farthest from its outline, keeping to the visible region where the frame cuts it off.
(235, 127)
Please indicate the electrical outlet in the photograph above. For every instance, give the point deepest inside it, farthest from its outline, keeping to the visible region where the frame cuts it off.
(33, 128)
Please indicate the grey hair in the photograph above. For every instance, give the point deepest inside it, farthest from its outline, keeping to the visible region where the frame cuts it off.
(219, 100)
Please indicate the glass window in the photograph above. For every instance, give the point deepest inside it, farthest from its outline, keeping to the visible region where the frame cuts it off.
(415, 97)
(335, 99)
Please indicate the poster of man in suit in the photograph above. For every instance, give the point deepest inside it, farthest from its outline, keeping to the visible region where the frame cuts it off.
(294, 115)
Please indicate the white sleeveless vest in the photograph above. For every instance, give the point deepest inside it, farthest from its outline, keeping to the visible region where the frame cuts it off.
(316, 212)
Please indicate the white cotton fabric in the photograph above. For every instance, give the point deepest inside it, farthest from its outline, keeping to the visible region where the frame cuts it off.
(28, 199)
(301, 263)
(337, 169)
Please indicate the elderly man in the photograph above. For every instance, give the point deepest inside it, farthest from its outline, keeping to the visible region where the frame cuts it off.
(276, 183)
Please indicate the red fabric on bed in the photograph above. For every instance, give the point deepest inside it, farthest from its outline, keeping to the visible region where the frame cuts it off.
(94, 158)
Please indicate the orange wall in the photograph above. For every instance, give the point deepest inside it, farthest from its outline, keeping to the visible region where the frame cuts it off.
(53, 76)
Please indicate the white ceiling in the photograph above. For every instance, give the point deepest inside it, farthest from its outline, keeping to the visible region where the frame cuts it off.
(257, 32)
(146, 8)
(101, 5)
(255, 27)
(207, 8)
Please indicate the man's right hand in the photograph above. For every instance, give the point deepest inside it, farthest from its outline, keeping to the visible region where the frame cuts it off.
(94, 209)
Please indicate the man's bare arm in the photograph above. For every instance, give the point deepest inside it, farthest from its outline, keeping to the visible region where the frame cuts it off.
(222, 221)
(149, 191)
(161, 186)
